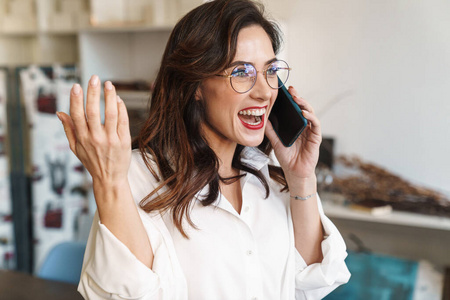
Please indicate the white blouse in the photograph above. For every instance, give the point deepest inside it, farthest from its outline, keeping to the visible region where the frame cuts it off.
(232, 256)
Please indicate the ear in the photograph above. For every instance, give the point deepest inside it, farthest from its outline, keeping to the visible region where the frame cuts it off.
(198, 94)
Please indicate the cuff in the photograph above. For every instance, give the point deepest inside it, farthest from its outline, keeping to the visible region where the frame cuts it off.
(115, 269)
(332, 271)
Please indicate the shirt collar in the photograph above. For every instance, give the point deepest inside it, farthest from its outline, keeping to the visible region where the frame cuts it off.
(254, 157)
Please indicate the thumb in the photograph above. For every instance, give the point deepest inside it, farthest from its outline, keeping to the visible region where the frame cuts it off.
(69, 129)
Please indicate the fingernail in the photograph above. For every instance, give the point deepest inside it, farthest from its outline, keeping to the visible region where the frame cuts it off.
(76, 89)
(58, 115)
(118, 99)
(94, 80)
(108, 85)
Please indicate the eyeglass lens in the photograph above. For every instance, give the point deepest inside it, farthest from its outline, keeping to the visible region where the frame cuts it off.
(243, 76)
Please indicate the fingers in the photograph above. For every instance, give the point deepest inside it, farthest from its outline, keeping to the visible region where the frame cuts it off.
(307, 111)
(93, 104)
(304, 105)
(77, 110)
(313, 121)
(116, 116)
(123, 127)
(69, 129)
(111, 111)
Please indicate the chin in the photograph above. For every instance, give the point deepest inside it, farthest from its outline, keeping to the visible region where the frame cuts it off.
(254, 142)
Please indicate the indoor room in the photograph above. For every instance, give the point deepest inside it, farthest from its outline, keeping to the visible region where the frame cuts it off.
(369, 79)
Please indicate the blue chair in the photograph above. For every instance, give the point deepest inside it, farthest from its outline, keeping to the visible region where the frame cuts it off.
(64, 262)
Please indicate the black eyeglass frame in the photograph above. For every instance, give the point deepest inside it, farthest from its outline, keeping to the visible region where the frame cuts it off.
(254, 81)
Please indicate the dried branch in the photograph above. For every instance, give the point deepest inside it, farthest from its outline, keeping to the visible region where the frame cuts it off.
(376, 183)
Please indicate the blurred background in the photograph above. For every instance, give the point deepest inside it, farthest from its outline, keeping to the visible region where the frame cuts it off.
(376, 72)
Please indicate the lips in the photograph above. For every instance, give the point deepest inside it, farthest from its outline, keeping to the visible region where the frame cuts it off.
(252, 117)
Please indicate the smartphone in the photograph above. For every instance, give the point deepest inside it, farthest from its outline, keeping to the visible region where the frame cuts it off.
(286, 117)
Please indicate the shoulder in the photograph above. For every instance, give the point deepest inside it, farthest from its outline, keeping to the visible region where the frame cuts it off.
(141, 180)
(138, 167)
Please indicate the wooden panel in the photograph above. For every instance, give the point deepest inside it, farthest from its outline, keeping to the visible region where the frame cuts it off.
(16, 286)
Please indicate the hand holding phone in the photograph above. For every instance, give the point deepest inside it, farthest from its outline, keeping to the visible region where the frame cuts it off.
(286, 117)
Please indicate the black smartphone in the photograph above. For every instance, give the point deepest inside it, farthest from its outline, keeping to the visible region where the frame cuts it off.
(286, 117)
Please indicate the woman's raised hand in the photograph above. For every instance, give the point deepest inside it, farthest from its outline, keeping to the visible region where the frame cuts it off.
(104, 150)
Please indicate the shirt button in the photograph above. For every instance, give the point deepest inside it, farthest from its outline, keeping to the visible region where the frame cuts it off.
(254, 298)
(246, 209)
(249, 252)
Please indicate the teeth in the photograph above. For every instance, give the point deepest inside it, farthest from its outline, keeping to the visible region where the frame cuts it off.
(253, 112)
(258, 120)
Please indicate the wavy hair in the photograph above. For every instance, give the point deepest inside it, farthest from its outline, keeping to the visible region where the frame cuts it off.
(202, 43)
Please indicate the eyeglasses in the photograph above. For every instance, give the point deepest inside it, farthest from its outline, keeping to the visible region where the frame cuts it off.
(243, 76)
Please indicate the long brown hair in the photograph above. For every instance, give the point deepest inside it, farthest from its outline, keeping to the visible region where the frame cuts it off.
(202, 43)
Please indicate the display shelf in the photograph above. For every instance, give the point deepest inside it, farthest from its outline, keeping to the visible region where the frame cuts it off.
(60, 24)
(394, 218)
(124, 56)
(21, 33)
(59, 32)
(127, 29)
(62, 15)
(41, 31)
(17, 50)
(61, 49)
(38, 48)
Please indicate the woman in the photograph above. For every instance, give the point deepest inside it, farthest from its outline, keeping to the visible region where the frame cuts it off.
(197, 211)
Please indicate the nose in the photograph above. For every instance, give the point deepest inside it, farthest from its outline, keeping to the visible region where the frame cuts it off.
(261, 90)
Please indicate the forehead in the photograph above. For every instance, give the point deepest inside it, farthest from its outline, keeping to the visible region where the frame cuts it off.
(254, 45)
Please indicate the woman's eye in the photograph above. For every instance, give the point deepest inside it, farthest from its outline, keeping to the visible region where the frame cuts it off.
(240, 73)
(243, 71)
(272, 71)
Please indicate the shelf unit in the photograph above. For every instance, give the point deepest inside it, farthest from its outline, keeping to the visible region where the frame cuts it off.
(44, 32)
(28, 35)
(125, 54)
(402, 234)
(394, 218)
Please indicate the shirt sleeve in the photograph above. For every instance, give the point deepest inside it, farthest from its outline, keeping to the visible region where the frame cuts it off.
(111, 271)
(318, 280)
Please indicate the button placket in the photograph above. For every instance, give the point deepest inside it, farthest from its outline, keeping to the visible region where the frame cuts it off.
(251, 194)
(251, 261)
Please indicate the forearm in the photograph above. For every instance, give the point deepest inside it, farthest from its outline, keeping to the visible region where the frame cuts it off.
(308, 230)
(118, 212)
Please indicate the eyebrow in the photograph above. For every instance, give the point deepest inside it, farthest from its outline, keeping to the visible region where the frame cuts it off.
(241, 62)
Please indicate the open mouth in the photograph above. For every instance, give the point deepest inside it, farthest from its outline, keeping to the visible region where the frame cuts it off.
(253, 117)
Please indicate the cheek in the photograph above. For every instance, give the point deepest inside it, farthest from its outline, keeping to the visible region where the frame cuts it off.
(224, 104)
(220, 112)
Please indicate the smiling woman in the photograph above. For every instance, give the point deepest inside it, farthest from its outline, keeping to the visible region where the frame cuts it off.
(198, 210)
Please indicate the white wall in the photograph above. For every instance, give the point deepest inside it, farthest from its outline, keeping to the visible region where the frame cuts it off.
(387, 65)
